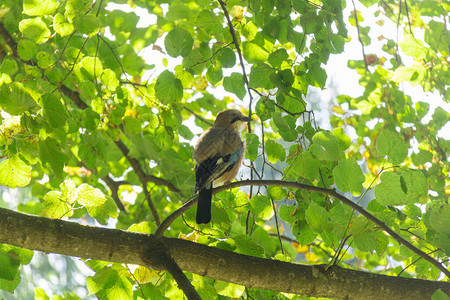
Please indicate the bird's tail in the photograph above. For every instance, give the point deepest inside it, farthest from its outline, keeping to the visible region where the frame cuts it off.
(204, 206)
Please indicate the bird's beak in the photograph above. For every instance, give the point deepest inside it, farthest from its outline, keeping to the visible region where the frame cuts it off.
(245, 119)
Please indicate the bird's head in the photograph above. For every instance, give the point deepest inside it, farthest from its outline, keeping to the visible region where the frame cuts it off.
(231, 119)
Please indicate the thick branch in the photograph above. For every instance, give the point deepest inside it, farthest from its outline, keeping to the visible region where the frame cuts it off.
(158, 250)
(331, 192)
(68, 238)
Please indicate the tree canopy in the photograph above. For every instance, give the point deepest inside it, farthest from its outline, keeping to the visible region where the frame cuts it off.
(101, 102)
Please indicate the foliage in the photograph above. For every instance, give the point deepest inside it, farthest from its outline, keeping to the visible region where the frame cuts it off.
(88, 123)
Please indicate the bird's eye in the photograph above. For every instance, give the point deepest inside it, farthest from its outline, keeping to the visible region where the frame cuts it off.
(235, 118)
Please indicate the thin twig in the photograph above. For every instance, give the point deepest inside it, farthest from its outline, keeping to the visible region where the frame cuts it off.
(277, 225)
(407, 15)
(359, 36)
(73, 66)
(413, 262)
(114, 187)
(331, 192)
(142, 177)
(197, 116)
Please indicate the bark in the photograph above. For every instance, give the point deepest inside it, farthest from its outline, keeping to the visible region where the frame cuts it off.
(68, 238)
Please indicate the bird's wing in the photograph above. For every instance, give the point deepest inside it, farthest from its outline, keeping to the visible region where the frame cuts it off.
(216, 152)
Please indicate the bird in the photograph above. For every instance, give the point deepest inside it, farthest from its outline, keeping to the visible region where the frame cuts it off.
(218, 156)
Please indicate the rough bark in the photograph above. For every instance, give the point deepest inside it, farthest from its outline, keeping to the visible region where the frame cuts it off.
(68, 238)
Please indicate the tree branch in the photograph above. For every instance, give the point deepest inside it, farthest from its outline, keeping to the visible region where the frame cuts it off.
(114, 187)
(331, 192)
(158, 250)
(359, 36)
(68, 238)
(142, 177)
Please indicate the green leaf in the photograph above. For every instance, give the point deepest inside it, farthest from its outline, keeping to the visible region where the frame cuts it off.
(91, 66)
(235, 84)
(14, 172)
(348, 176)
(209, 22)
(282, 79)
(416, 185)
(337, 43)
(15, 100)
(439, 295)
(276, 193)
(390, 191)
(109, 79)
(261, 206)
(44, 60)
(304, 233)
(229, 289)
(413, 47)
(108, 284)
(274, 151)
(365, 106)
(344, 140)
(131, 125)
(39, 8)
(391, 144)
(226, 58)
(50, 152)
(69, 191)
(325, 146)
(316, 216)
(284, 128)
(62, 26)
(414, 74)
(55, 207)
(286, 213)
(246, 245)
(178, 42)
(168, 88)
(35, 29)
(254, 53)
(87, 24)
(26, 49)
(262, 238)
(252, 145)
(277, 57)
(440, 117)
(317, 76)
(10, 285)
(214, 74)
(9, 66)
(90, 196)
(9, 265)
(370, 241)
(185, 132)
(260, 76)
(54, 111)
(103, 212)
(143, 227)
(265, 108)
(439, 216)
(306, 166)
(195, 62)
